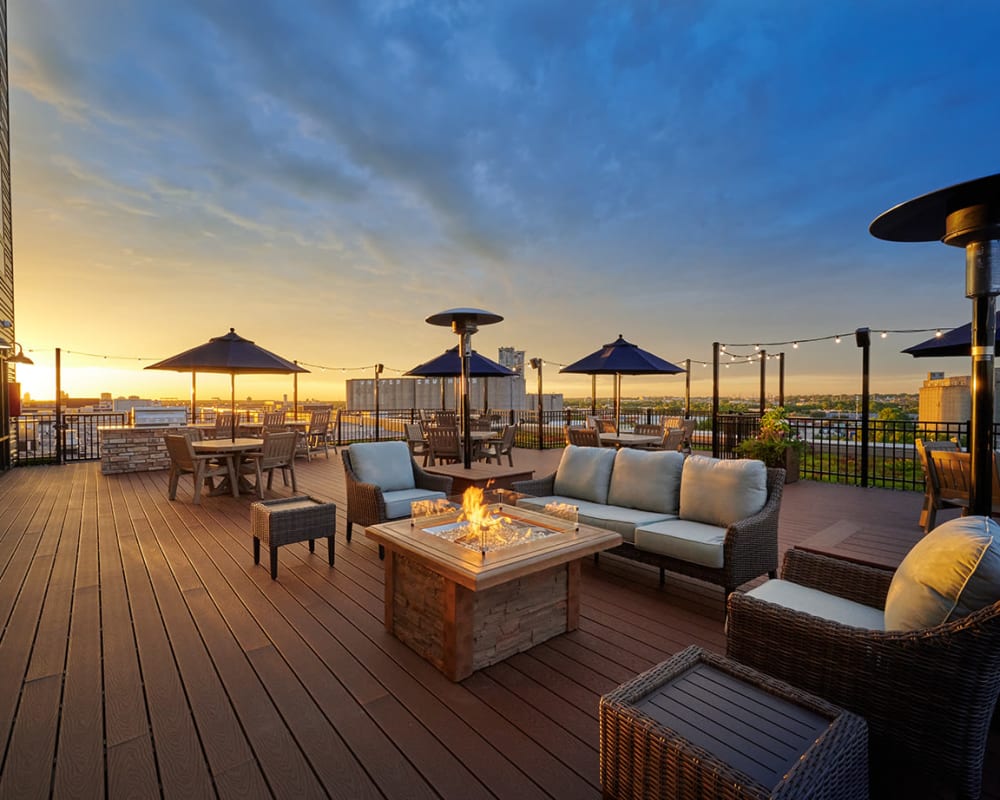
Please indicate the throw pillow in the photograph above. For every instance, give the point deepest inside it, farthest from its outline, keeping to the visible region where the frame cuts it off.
(720, 492)
(647, 480)
(584, 473)
(953, 571)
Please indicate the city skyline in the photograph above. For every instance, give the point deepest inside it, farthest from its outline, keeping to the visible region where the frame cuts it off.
(323, 179)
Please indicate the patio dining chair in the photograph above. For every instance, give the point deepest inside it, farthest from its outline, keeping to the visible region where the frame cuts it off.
(932, 502)
(273, 422)
(316, 435)
(202, 468)
(416, 441)
(278, 452)
(504, 446)
(583, 437)
(648, 429)
(223, 425)
(606, 426)
(444, 445)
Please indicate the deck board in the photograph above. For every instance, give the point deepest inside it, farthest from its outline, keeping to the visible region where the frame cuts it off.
(148, 654)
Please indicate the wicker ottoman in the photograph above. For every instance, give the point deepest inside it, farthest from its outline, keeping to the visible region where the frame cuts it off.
(291, 519)
(701, 725)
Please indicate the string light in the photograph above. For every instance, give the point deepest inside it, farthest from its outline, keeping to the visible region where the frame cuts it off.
(836, 339)
(885, 334)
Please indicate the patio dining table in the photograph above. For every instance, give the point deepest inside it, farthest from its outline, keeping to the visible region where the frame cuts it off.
(233, 450)
(628, 440)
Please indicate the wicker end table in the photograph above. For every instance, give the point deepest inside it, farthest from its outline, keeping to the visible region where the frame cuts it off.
(288, 520)
(701, 725)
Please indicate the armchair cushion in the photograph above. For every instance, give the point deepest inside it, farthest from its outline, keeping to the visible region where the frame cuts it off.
(585, 473)
(721, 492)
(397, 503)
(819, 604)
(953, 571)
(386, 464)
(647, 480)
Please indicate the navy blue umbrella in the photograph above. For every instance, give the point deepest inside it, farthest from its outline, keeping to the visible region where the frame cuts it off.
(622, 358)
(448, 365)
(230, 354)
(956, 342)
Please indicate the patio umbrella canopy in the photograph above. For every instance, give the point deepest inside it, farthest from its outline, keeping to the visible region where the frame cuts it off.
(618, 358)
(449, 365)
(956, 342)
(229, 354)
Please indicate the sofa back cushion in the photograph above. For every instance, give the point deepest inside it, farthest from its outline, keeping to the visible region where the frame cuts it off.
(953, 571)
(649, 480)
(721, 492)
(585, 473)
(386, 464)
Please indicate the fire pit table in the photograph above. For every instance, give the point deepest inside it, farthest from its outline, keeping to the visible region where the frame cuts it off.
(464, 599)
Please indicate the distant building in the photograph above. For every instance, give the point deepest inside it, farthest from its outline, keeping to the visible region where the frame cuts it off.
(944, 399)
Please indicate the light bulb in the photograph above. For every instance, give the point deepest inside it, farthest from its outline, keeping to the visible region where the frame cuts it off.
(885, 334)
(795, 345)
(836, 339)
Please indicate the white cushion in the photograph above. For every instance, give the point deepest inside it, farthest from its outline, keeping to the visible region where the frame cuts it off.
(695, 542)
(386, 464)
(397, 504)
(953, 571)
(720, 492)
(819, 604)
(613, 518)
(647, 480)
(585, 473)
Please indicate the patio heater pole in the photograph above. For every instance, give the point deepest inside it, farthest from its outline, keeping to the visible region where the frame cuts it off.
(536, 363)
(378, 371)
(966, 215)
(465, 322)
(763, 380)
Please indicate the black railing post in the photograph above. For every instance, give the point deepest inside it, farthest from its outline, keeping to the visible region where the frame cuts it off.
(59, 455)
(715, 399)
(687, 388)
(763, 380)
(781, 379)
(863, 338)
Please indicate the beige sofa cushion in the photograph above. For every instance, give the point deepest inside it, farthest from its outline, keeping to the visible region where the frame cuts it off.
(585, 473)
(647, 480)
(819, 604)
(721, 492)
(953, 571)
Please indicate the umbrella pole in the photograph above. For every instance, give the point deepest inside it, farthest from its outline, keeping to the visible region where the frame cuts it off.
(194, 402)
(618, 401)
(593, 395)
(232, 395)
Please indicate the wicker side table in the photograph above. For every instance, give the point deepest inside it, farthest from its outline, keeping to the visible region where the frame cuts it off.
(701, 725)
(288, 520)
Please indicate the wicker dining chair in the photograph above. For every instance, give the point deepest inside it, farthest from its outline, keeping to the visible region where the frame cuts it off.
(928, 695)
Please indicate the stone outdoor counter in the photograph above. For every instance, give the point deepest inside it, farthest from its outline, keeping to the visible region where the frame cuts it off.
(134, 449)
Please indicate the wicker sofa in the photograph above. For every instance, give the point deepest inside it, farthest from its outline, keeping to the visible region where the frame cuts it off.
(858, 637)
(707, 518)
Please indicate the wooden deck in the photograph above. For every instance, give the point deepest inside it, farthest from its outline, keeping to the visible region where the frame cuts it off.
(144, 654)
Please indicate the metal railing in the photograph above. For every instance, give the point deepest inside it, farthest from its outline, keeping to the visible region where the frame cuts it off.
(38, 438)
(832, 447)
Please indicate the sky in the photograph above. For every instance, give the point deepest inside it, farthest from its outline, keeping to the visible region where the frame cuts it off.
(323, 176)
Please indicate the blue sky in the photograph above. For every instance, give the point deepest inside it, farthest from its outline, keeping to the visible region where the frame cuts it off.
(323, 176)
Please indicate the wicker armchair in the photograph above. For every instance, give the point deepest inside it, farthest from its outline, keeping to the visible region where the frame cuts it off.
(366, 501)
(928, 695)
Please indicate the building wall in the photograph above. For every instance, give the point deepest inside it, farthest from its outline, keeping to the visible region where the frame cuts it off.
(498, 393)
(949, 399)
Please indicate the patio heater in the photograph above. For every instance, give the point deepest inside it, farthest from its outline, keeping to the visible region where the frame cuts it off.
(465, 322)
(965, 215)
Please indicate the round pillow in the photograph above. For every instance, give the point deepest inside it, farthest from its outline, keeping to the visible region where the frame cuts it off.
(953, 571)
